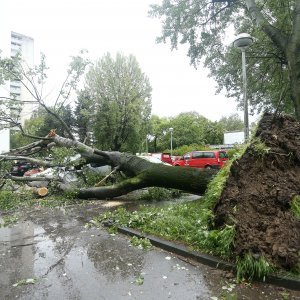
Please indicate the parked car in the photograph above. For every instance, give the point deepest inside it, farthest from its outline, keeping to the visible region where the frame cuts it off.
(33, 171)
(166, 157)
(214, 159)
(154, 160)
(20, 167)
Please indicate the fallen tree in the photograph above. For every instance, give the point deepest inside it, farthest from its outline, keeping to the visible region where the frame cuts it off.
(139, 173)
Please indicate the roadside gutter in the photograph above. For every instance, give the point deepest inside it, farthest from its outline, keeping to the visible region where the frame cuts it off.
(206, 259)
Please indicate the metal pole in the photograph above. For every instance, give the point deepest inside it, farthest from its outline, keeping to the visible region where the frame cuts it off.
(146, 144)
(171, 142)
(246, 120)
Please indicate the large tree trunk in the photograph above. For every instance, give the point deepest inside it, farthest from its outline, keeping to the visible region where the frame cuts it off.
(148, 174)
(142, 173)
(294, 72)
(293, 55)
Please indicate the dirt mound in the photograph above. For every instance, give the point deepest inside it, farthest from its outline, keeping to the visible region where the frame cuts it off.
(259, 190)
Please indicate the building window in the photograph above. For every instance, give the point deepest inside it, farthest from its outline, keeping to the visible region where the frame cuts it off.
(15, 87)
(16, 44)
(17, 37)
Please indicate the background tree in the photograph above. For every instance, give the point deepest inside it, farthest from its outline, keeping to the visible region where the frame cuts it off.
(122, 96)
(158, 129)
(231, 123)
(192, 128)
(50, 122)
(188, 129)
(274, 58)
(33, 125)
(213, 133)
(84, 116)
(41, 122)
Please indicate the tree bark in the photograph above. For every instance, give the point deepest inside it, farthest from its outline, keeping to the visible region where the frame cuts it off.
(293, 55)
(294, 74)
(30, 159)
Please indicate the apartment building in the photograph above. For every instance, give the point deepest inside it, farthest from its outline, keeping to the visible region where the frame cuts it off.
(12, 43)
(25, 45)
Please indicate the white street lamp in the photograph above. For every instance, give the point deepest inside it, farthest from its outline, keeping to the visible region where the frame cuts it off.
(171, 131)
(243, 41)
(147, 144)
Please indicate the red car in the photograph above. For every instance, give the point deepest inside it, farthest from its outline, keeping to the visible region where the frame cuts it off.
(166, 157)
(20, 167)
(214, 159)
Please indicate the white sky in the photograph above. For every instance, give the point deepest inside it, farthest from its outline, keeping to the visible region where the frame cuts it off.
(61, 28)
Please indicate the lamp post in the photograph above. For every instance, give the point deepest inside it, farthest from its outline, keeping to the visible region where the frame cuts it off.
(171, 131)
(147, 144)
(243, 41)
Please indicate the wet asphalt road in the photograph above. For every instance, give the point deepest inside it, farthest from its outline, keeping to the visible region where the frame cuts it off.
(65, 260)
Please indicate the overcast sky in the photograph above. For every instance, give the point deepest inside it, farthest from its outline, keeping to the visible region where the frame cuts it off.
(61, 28)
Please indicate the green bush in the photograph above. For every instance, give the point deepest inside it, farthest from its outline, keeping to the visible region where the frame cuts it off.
(159, 194)
(10, 200)
(5, 167)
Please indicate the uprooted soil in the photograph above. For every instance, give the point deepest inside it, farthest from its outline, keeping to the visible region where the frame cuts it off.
(258, 194)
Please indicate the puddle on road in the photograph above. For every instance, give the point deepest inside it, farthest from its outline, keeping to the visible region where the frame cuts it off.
(72, 262)
(113, 204)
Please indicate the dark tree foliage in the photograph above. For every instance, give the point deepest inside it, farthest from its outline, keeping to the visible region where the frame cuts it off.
(50, 122)
(83, 117)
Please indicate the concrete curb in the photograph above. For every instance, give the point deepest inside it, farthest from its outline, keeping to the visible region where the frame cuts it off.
(206, 259)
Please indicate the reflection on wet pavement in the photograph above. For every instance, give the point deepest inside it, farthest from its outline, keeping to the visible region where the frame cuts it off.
(70, 261)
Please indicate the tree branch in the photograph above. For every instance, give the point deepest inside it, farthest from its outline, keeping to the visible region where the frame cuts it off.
(101, 182)
(30, 159)
(277, 37)
(52, 113)
(33, 136)
(37, 96)
(28, 178)
(215, 14)
(25, 148)
(112, 191)
(61, 88)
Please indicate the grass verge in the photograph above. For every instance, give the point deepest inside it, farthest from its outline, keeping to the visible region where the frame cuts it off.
(186, 222)
(11, 201)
